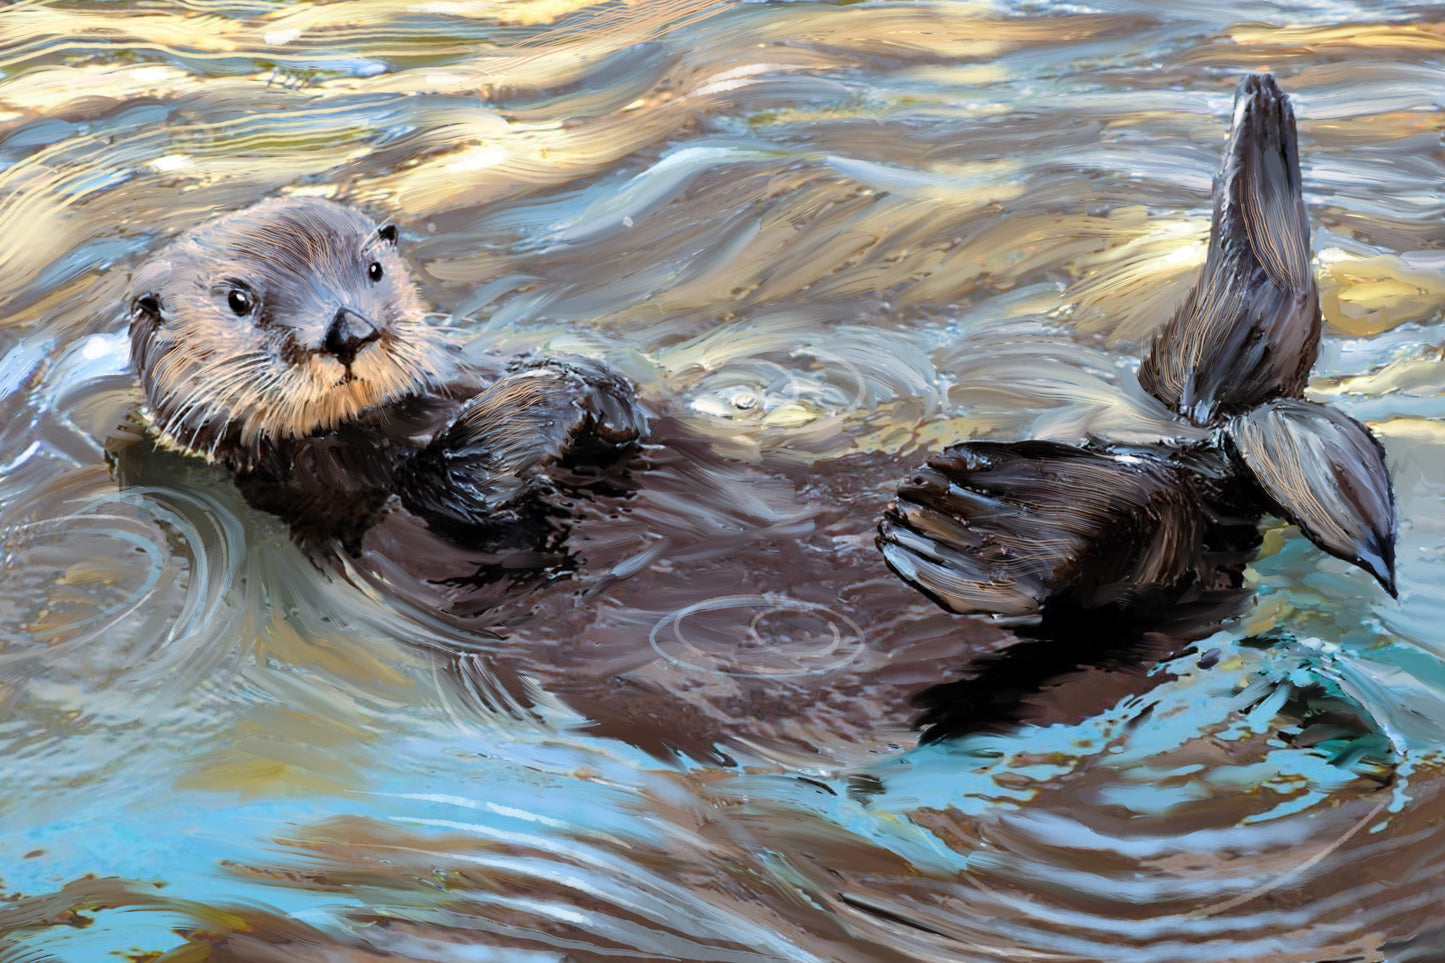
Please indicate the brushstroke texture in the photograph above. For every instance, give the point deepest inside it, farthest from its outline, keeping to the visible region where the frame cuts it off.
(1029, 529)
(859, 233)
(1250, 330)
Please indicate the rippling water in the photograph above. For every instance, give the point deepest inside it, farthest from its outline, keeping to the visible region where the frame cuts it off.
(825, 239)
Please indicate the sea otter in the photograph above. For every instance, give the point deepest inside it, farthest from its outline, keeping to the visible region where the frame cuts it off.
(1040, 532)
(288, 342)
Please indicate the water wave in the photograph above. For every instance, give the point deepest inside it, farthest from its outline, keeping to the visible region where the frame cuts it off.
(824, 240)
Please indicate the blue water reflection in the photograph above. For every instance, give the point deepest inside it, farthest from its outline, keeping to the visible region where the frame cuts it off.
(825, 240)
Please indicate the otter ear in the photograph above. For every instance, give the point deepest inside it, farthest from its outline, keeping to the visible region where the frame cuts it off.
(388, 234)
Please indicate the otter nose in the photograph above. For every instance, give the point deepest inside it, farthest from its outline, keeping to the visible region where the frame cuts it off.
(348, 333)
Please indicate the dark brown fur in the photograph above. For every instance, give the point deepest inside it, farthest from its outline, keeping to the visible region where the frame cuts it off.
(1250, 329)
(1039, 531)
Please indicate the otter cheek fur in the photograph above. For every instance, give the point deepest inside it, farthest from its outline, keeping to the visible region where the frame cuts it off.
(280, 321)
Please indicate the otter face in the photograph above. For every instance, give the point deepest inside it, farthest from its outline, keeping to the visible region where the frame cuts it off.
(283, 320)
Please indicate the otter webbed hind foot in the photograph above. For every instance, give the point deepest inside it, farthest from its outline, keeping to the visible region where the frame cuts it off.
(561, 424)
(1249, 331)
(1036, 529)
(1325, 472)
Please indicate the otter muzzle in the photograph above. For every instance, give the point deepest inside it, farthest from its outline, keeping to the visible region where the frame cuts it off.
(347, 334)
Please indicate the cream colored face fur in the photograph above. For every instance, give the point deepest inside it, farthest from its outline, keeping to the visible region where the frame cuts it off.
(286, 319)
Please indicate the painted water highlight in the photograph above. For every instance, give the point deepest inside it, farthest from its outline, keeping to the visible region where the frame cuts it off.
(825, 241)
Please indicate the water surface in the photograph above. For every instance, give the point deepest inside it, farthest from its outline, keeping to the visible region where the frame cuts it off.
(825, 240)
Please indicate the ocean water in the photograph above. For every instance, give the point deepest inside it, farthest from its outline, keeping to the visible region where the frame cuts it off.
(825, 240)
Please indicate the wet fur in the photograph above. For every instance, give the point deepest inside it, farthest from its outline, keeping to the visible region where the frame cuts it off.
(1249, 330)
(1102, 537)
(227, 387)
(323, 425)
(1325, 472)
(1040, 531)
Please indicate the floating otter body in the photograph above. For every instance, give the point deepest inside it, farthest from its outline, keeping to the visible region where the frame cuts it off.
(288, 342)
(1037, 530)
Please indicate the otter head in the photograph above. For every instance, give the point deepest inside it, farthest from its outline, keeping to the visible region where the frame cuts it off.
(283, 320)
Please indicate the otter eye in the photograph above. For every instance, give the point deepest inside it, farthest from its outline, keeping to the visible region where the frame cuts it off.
(374, 272)
(149, 305)
(240, 301)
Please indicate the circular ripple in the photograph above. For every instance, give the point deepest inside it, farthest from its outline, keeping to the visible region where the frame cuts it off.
(762, 392)
(79, 576)
(133, 579)
(757, 635)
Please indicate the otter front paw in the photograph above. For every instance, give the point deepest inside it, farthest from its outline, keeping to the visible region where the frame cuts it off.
(559, 424)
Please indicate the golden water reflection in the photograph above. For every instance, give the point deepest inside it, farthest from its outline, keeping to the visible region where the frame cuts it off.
(824, 239)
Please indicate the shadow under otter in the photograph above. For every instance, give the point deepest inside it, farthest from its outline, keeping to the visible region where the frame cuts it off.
(1105, 555)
